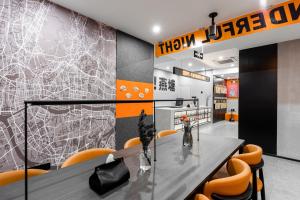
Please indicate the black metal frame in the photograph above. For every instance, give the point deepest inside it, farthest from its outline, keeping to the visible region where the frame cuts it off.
(77, 102)
(254, 168)
(245, 196)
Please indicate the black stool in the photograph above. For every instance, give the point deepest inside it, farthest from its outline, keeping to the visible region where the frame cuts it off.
(254, 169)
(245, 196)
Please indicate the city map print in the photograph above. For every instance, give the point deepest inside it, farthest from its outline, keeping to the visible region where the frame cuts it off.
(50, 53)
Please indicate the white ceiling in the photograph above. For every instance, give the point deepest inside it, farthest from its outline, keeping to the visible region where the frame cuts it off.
(175, 17)
(230, 47)
(209, 62)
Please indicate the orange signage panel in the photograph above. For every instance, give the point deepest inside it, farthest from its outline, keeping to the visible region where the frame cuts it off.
(131, 90)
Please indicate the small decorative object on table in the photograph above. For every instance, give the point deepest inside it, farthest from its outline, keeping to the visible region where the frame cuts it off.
(187, 136)
(146, 133)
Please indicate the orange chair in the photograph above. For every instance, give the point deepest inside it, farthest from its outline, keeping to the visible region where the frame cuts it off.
(235, 116)
(132, 142)
(9, 177)
(252, 154)
(166, 133)
(201, 197)
(86, 155)
(235, 186)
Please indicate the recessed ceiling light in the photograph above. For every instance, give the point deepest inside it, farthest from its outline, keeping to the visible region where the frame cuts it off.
(263, 3)
(167, 68)
(222, 75)
(232, 65)
(199, 43)
(190, 64)
(156, 29)
(221, 57)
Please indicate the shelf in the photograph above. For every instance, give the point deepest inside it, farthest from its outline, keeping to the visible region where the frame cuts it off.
(180, 126)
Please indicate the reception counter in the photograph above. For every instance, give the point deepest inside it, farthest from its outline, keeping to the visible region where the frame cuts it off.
(176, 175)
(168, 118)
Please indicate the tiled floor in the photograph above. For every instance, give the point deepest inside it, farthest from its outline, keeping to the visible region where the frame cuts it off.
(282, 177)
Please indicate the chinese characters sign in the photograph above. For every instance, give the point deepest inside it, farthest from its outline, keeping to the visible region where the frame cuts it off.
(164, 84)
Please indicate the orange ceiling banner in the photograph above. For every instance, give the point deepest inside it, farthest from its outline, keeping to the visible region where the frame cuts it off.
(280, 15)
(131, 90)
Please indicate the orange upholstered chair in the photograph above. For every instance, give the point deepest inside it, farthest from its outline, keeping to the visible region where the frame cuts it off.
(252, 154)
(132, 142)
(234, 115)
(166, 133)
(237, 184)
(86, 155)
(201, 197)
(9, 177)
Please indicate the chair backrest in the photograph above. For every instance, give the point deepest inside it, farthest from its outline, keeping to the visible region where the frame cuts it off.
(166, 133)
(132, 142)
(201, 197)
(9, 177)
(86, 155)
(252, 154)
(237, 183)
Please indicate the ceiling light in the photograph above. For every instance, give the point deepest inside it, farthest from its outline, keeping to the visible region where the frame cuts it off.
(221, 57)
(156, 29)
(199, 43)
(263, 3)
(232, 65)
(222, 75)
(167, 68)
(190, 64)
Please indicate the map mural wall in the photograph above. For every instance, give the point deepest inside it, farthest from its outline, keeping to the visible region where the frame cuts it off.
(48, 53)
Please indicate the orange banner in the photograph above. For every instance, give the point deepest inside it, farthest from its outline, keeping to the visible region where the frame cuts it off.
(131, 90)
(280, 15)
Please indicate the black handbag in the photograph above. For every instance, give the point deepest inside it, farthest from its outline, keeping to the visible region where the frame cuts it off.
(108, 176)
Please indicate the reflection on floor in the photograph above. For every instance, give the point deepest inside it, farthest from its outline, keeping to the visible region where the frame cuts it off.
(282, 177)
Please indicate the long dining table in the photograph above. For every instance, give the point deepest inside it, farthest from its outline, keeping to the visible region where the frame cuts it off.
(179, 173)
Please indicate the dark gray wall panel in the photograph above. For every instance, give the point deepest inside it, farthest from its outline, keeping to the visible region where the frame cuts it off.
(258, 97)
(134, 63)
(134, 59)
(127, 128)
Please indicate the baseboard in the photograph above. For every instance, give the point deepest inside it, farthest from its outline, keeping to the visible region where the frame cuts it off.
(282, 157)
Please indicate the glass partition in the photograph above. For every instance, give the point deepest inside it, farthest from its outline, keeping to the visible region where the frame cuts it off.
(55, 131)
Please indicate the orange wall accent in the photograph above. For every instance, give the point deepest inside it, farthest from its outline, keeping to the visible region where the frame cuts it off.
(125, 90)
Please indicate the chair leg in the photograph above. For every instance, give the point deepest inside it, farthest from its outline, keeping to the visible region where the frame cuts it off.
(254, 185)
(262, 192)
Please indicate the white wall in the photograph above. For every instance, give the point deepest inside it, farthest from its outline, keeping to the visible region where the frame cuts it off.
(288, 110)
(233, 104)
(185, 88)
